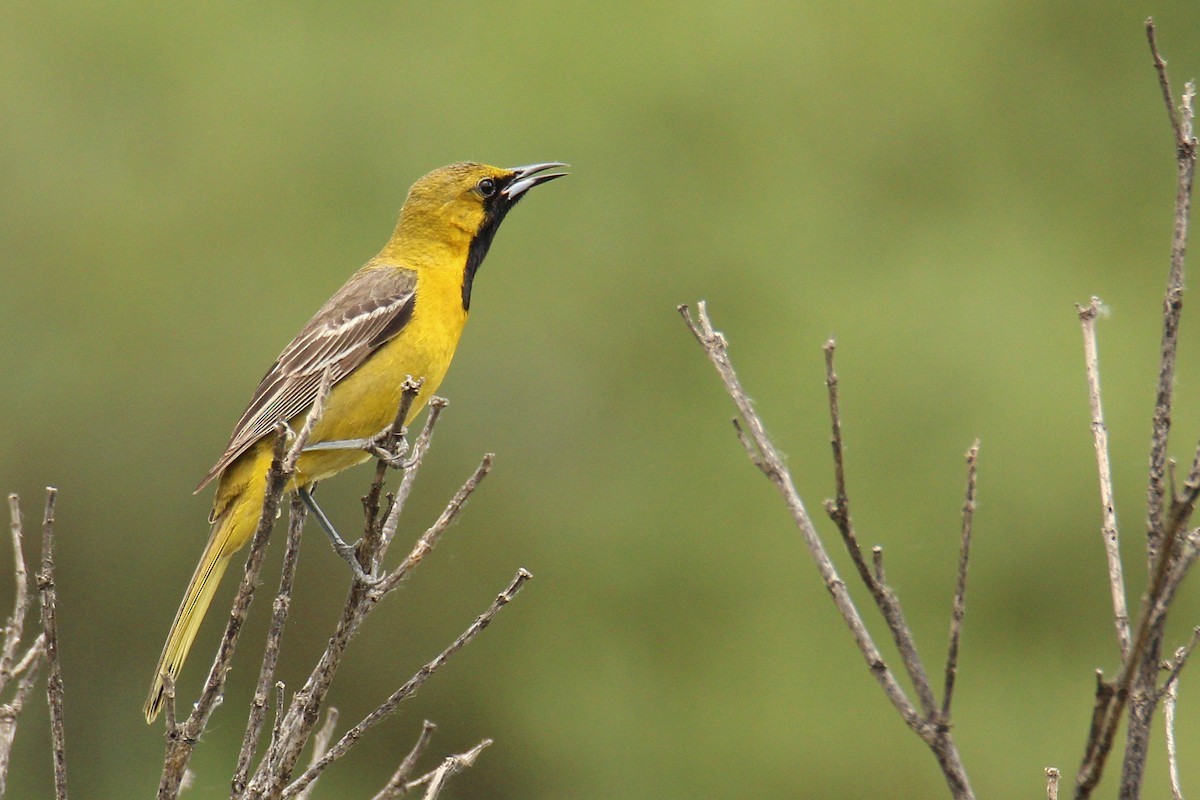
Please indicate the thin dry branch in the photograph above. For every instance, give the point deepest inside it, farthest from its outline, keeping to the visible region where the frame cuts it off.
(11, 711)
(450, 767)
(395, 787)
(934, 731)
(321, 740)
(266, 674)
(410, 687)
(24, 667)
(54, 679)
(1109, 531)
(885, 599)
(1167, 541)
(959, 609)
(15, 627)
(417, 457)
(1171, 697)
(393, 447)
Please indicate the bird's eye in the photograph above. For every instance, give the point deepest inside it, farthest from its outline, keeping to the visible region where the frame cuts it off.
(487, 187)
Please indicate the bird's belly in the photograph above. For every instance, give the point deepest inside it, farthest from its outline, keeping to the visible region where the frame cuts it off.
(366, 401)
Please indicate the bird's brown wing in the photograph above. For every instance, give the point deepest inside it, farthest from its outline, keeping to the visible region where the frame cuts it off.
(373, 307)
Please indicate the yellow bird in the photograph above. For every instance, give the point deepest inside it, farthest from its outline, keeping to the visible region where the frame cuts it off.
(400, 315)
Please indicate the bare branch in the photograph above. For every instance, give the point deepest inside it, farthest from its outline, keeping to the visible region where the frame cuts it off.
(885, 599)
(1176, 664)
(1136, 683)
(1051, 783)
(1172, 697)
(321, 741)
(352, 736)
(296, 726)
(11, 711)
(369, 549)
(1164, 82)
(395, 787)
(54, 680)
(266, 674)
(431, 536)
(959, 609)
(1109, 532)
(417, 456)
(15, 627)
(933, 732)
(450, 767)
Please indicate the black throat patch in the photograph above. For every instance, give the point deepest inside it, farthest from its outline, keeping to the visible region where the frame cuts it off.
(494, 210)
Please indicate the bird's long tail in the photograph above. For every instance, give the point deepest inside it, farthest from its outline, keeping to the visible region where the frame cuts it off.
(230, 532)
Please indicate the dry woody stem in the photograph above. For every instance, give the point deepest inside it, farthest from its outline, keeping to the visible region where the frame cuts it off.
(24, 665)
(931, 723)
(1171, 547)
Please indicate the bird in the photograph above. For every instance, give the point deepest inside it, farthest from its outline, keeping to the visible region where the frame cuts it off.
(399, 316)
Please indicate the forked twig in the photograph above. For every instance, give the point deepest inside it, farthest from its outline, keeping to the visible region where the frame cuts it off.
(931, 727)
(410, 687)
(396, 786)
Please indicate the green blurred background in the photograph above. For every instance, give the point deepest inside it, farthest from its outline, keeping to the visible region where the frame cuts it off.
(935, 184)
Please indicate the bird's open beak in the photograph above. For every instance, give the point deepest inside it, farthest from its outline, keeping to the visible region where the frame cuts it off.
(525, 178)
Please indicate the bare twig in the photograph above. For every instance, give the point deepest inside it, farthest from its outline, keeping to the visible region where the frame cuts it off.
(416, 457)
(1171, 697)
(959, 609)
(15, 627)
(1176, 664)
(1109, 531)
(24, 667)
(277, 764)
(266, 674)
(352, 736)
(885, 599)
(54, 680)
(450, 767)
(431, 536)
(1136, 684)
(321, 740)
(1164, 82)
(1051, 783)
(395, 787)
(934, 732)
(369, 547)
(11, 711)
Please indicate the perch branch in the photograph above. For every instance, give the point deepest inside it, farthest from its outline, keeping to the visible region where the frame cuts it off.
(266, 674)
(352, 736)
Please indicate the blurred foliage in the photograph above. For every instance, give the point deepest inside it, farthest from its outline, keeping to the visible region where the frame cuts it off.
(934, 183)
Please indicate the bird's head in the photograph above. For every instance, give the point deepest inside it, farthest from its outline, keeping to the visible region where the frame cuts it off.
(466, 201)
(459, 208)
